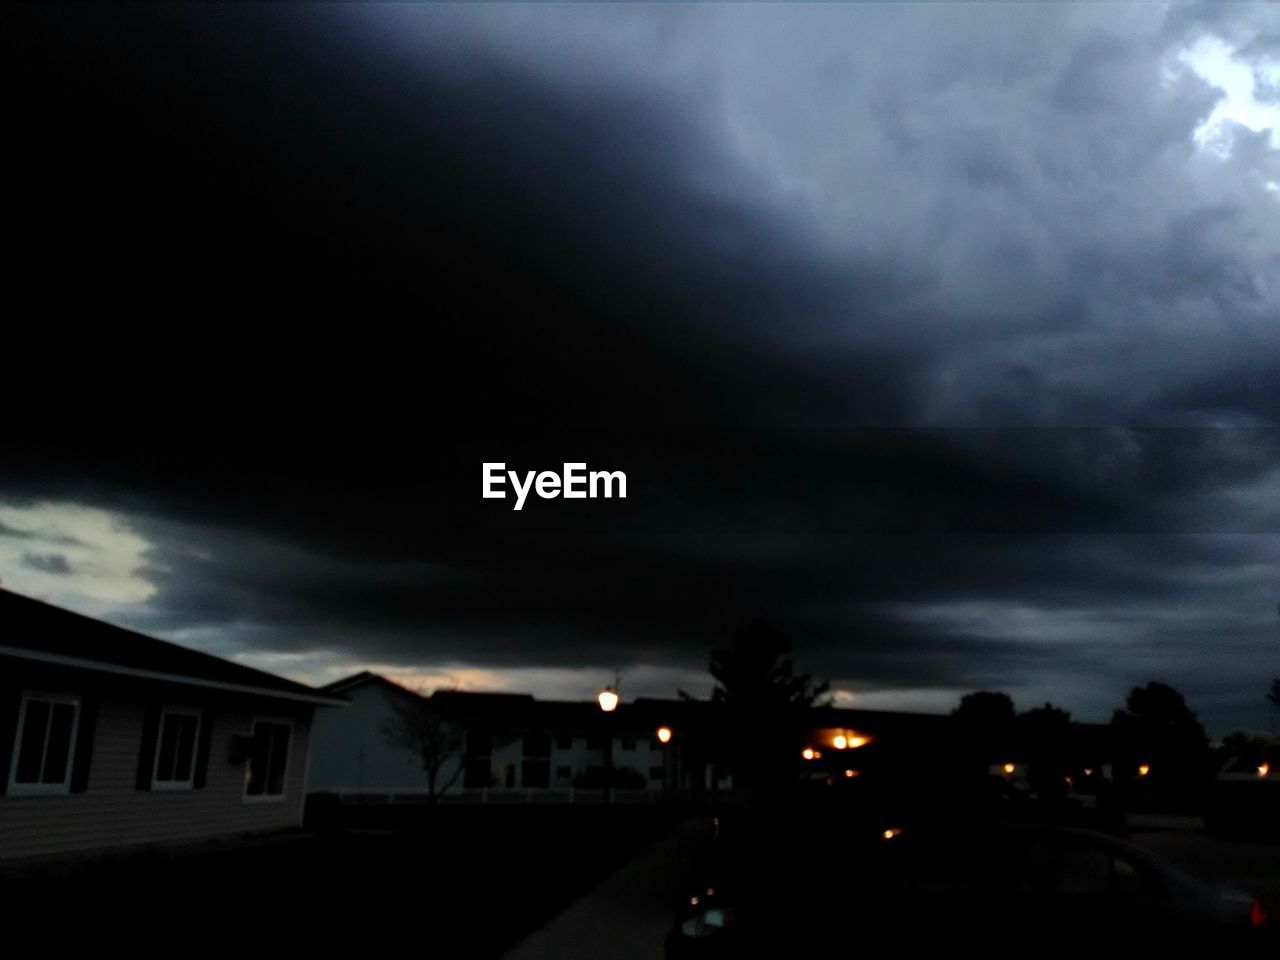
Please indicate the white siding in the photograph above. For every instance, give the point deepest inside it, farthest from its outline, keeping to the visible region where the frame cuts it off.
(112, 813)
(350, 750)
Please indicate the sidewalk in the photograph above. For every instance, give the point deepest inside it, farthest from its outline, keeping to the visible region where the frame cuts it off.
(628, 916)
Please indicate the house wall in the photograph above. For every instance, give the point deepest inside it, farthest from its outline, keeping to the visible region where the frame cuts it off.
(352, 753)
(112, 813)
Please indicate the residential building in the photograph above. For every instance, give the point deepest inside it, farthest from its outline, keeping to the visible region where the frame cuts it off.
(111, 739)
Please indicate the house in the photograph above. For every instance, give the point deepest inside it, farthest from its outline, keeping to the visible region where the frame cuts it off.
(352, 750)
(109, 738)
(514, 746)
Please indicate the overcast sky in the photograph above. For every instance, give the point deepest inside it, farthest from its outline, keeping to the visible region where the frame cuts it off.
(944, 336)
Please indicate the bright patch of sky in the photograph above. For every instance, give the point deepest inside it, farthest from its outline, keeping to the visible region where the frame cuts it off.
(1218, 63)
(83, 558)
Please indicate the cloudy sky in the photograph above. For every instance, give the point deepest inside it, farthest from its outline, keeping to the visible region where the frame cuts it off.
(945, 336)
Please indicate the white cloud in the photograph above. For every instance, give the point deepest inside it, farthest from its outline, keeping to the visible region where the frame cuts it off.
(1218, 63)
(84, 558)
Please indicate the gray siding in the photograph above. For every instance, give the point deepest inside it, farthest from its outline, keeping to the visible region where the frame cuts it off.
(113, 814)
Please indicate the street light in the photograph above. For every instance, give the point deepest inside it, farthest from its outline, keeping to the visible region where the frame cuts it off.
(668, 766)
(608, 700)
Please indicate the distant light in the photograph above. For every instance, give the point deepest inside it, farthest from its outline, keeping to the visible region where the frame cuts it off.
(693, 901)
(840, 742)
(856, 742)
(850, 774)
(1144, 770)
(808, 753)
(1088, 771)
(1264, 769)
(608, 700)
(664, 734)
(1009, 768)
(892, 832)
(1257, 915)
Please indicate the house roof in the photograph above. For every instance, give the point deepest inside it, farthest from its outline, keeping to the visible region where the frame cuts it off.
(37, 631)
(363, 678)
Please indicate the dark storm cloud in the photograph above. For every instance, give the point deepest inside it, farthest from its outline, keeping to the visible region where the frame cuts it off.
(890, 316)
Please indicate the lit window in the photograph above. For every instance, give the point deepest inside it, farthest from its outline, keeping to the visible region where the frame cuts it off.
(45, 745)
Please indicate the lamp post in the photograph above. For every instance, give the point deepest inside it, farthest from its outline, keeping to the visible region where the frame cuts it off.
(664, 735)
(608, 699)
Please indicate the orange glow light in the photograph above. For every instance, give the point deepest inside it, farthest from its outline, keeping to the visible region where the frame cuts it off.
(808, 753)
(892, 832)
(1144, 770)
(1009, 768)
(1264, 769)
(664, 734)
(850, 774)
(840, 742)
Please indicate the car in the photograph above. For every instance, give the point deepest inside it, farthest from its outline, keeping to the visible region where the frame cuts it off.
(1031, 890)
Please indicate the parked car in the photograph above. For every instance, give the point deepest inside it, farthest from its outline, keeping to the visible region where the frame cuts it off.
(1033, 890)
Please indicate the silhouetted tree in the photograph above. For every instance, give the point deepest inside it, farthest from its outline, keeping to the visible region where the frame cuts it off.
(1159, 730)
(985, 725)
(435, 737)
(1044, 737)
(764, 706)
(1274, 695)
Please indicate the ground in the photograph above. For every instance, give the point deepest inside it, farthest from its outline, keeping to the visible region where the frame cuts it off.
(527, 883)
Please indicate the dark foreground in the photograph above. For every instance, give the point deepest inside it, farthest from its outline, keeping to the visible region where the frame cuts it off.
(458, 882)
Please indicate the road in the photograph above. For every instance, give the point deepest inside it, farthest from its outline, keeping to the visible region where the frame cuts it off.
(626, 917)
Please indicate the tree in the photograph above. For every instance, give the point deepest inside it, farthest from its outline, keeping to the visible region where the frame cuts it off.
(435, 737)
(1159, 731)
(1274, 695)
(764, 705)
(1044, 735)
(985, 725)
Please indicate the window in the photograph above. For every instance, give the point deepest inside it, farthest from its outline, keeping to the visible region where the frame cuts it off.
(45, 744)
(537, 745)
(535, 766)
(176, 750)
(268, 760)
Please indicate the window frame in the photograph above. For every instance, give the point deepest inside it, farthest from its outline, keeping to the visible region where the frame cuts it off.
(280, 797)
(40, 788)
(177, 786)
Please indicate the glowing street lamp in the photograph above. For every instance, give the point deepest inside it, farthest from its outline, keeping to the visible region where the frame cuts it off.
(1264, 769)
(1009, 768)
(840, 742)
(608, 699)
(1144, 769)
(664, 734)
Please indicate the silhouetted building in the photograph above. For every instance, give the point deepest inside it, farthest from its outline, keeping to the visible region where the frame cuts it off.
(109, 738)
